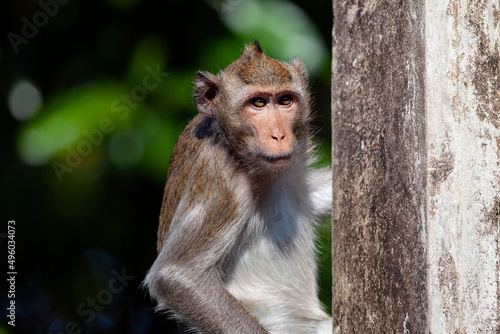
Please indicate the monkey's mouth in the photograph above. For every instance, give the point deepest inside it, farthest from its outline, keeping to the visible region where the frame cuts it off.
(280, 160)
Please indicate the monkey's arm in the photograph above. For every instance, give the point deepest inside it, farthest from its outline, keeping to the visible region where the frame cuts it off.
(185, 276)
(200, 300)
(320, 184)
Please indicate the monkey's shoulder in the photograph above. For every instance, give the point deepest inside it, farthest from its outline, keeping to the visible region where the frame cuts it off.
(199, 144)
(201, 168)
(199, 172)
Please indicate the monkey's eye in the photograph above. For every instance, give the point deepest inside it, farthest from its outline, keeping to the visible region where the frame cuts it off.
(285, 100)
(258, 102)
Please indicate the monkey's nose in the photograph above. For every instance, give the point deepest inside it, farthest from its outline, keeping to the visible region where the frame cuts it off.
(278, 136)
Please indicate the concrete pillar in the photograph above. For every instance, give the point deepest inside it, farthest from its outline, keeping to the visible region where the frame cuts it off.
(416, 158)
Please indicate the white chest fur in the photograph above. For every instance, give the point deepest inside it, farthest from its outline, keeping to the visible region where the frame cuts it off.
(275, 273)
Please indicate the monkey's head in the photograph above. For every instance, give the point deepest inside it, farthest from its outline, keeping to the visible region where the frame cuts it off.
(262, 108)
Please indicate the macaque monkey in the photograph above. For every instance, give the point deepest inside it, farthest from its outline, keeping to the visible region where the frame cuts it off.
(236, 235)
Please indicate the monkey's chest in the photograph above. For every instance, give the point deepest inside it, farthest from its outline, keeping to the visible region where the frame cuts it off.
(277, 271)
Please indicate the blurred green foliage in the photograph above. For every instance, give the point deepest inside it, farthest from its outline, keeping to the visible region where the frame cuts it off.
(95, 94)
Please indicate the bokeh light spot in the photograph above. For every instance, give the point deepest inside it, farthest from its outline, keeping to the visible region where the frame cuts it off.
(24, 100)
(35, 147)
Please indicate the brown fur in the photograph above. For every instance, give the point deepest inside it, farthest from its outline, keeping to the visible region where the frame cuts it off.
(195, 156)
(254, 67)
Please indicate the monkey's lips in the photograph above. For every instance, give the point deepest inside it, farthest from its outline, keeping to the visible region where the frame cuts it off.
(279, 161)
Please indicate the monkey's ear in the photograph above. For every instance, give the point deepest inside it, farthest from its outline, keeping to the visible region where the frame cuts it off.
(206, 90)
(298, 65)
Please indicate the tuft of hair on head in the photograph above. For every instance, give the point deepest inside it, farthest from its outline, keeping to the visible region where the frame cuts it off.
(252, 49)
(255, 67)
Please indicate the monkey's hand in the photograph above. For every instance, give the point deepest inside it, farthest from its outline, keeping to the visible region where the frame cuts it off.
(325, 327)
(320, 185)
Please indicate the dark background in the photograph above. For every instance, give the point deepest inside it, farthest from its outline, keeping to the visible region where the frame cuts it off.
(85, 144)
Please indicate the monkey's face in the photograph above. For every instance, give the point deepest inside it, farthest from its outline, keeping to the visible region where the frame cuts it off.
(270, 114)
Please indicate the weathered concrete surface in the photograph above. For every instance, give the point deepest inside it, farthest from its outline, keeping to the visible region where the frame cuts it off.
(416, 156)
(463, 150)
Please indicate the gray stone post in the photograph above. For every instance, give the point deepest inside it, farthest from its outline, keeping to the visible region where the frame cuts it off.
(416, 159)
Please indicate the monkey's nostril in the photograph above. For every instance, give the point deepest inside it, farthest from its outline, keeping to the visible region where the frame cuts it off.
(278, 137)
